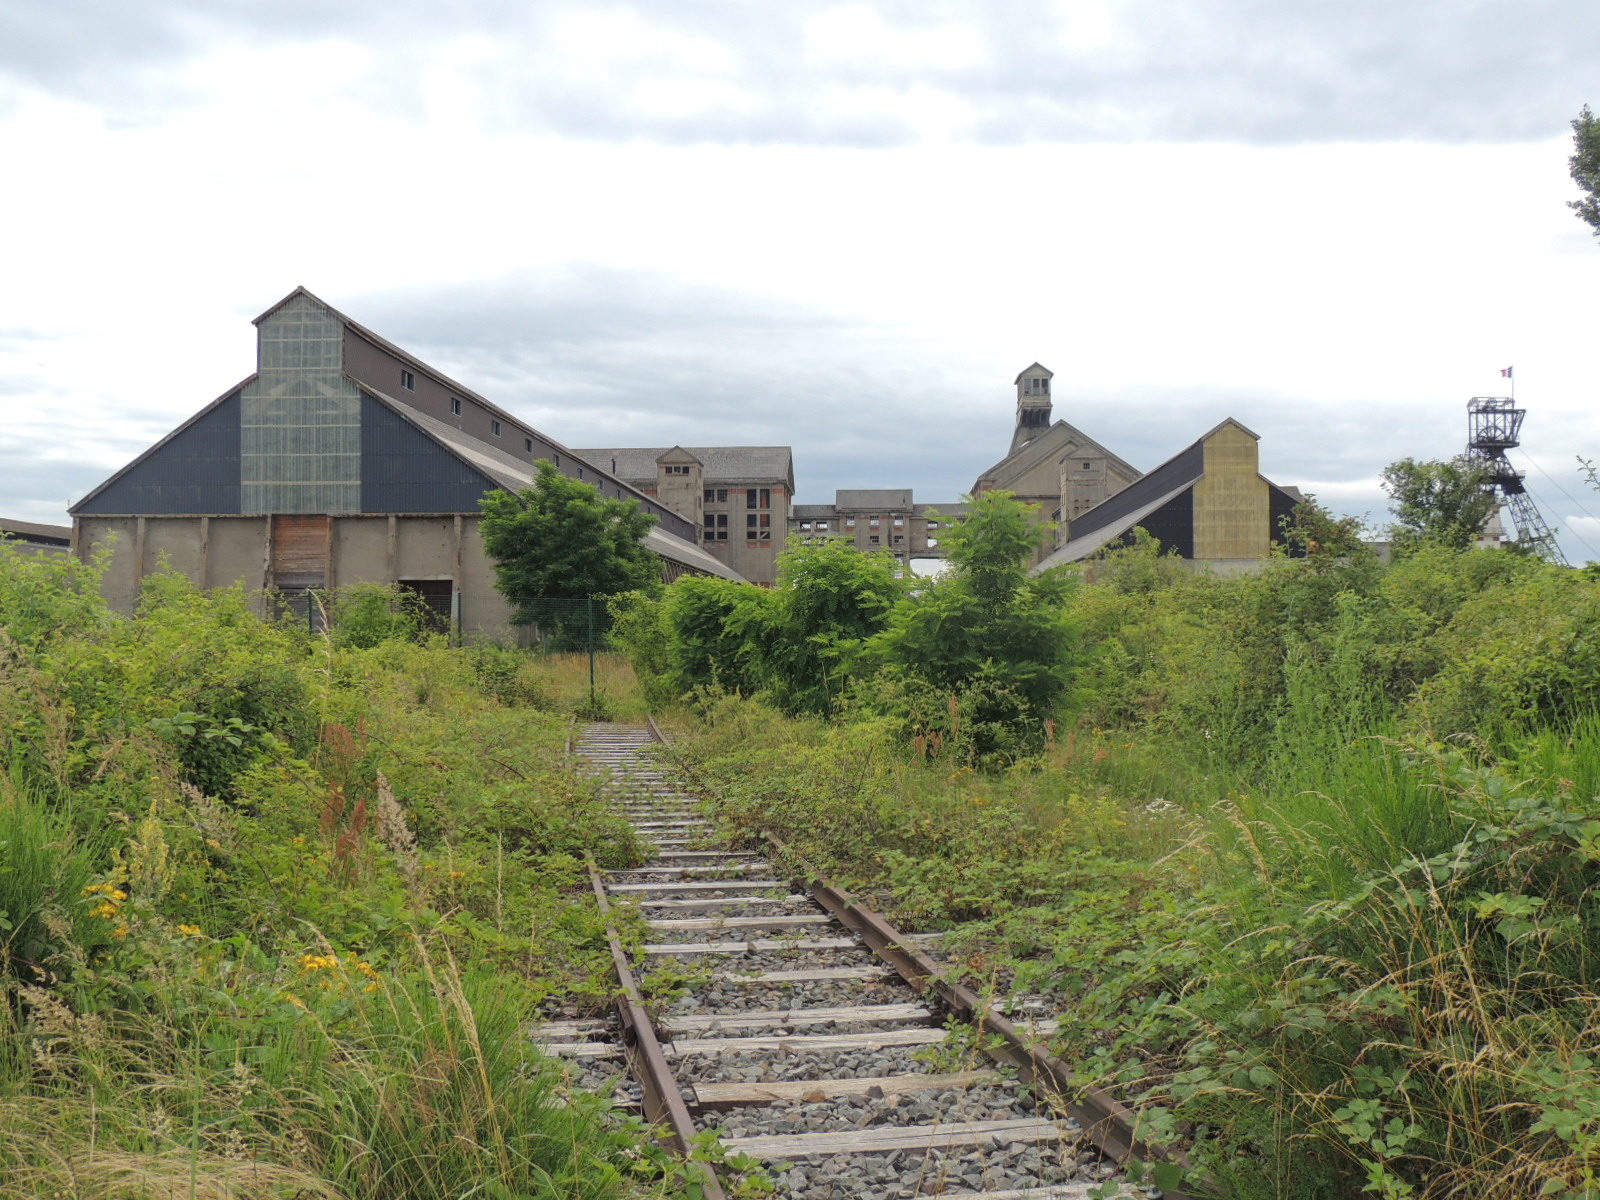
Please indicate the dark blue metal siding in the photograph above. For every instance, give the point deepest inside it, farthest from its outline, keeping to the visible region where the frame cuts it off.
(403, 470)
(1172, 525)
(197, 471)
(1184, 468)
(1283, 506)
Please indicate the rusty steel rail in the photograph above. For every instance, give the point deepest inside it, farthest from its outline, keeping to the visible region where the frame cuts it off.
(664, 1104)
(1108, 1123)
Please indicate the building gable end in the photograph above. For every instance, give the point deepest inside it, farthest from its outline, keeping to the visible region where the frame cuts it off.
(404, 470)
(193, 470)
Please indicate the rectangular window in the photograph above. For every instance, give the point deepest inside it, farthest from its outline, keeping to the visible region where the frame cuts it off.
(556, 458)
(678, 470)
(580, 472)
(455, 406)
(850, 523)
(527, 444)
(766, 497)
(722, 495)
(750, 524)
(408, 381)
(873, 539)
(805, 526)
(873, 522)
(899, 522)
(750, 497)
(711, 495)
(494, 428)
(822, 527)
(933, 524)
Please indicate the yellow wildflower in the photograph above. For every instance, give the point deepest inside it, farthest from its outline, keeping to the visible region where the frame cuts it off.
(104, 909)
(121, 931)
(189, 930)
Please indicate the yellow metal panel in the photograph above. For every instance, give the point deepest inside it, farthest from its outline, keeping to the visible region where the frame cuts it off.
(1232, 506)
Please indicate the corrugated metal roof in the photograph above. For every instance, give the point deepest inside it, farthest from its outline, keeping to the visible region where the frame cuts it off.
(29, 531)
(513, 474)
(723, 464)
(1037, 449)
(865, 498)
(1080, 548)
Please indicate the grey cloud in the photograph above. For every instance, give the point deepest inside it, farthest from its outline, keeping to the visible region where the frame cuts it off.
(604, 357)
(1253, 71)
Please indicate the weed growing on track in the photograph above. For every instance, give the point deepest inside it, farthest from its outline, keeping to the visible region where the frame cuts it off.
(1308, 863)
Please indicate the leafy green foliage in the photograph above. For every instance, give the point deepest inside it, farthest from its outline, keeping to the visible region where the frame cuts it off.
(1585, 168)
(988, 632)
(1443, 503)
(562, 538)
(288, 900)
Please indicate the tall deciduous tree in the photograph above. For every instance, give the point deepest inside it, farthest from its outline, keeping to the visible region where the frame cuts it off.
(1585, 167)
(1442, 503)
(562, 538)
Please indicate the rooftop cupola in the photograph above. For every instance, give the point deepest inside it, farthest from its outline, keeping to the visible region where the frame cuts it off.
(1033, 406)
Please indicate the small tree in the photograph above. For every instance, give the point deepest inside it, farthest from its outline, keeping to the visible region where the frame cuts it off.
(1443, 503)
(1585, 167)
(830, 599)
(990, 645)
(561, 538)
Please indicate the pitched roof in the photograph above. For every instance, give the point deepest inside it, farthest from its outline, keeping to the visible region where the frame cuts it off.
(1119, 513)
(723, 464)
(1037, 449)
(513, 474)
(29, 531)
(1040, 367)
(862, 498)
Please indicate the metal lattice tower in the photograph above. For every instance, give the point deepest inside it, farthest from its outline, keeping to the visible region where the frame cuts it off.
(1493, 423)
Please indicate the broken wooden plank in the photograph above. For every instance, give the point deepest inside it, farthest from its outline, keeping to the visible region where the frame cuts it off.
(733, 1095)
(884, 1138)
(799, 1043)
(775, 921)
(757, 945)
(711, 1022)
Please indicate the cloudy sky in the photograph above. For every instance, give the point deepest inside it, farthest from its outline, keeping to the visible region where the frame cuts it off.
(843, 227)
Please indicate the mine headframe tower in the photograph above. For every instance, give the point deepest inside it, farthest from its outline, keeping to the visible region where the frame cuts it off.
(1493, 423)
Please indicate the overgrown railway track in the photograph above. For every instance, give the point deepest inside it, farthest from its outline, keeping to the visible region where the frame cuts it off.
(810, 1034)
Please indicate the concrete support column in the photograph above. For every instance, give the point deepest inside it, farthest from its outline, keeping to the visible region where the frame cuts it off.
(205, 553)
(138, 554)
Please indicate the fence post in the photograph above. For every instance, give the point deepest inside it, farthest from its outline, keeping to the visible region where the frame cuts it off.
(591, 653)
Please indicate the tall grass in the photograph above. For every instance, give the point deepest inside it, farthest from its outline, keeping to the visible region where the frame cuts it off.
(211, 1076)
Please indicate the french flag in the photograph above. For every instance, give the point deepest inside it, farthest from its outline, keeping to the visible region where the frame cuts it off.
(1505, 373)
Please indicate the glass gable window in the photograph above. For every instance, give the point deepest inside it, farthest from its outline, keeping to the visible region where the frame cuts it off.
(300, 436)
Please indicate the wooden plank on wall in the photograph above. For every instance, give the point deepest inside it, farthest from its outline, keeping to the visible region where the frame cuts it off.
(300, 550)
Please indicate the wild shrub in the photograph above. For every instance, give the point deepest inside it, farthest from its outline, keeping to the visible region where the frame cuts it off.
(988, 631)
(364, 615)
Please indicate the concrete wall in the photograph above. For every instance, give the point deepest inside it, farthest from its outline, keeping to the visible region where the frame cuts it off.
(1232, 507)
(222, 551)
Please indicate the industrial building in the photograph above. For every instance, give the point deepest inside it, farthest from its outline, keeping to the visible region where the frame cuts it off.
(739, 497)
(342, 458)
(876, 519)
(1209, 503)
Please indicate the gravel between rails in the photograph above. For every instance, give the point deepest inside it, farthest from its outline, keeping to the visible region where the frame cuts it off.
(704, 985)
